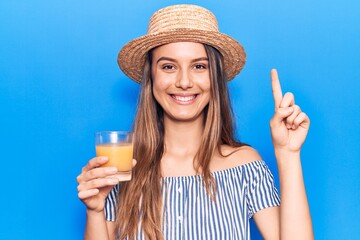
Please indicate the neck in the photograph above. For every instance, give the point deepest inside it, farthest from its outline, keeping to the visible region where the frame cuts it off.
(182, 139)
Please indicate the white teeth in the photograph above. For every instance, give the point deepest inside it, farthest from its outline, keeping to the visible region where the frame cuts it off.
(184, 98)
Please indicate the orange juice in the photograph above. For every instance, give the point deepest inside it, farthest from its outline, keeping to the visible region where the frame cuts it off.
(120, 155)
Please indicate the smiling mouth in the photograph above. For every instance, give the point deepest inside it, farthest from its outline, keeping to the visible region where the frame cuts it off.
(184, 99)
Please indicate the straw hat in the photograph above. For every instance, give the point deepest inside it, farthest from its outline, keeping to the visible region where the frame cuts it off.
(181, 23)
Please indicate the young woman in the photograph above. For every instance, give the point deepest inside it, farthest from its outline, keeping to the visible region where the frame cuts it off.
(191, 179)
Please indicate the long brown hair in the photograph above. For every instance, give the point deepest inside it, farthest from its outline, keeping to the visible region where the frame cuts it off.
(140, 199)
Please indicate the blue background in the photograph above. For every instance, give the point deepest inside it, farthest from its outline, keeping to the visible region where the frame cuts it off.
(59, 83)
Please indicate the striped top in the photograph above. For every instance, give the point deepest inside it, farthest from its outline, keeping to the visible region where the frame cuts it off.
(189, 213)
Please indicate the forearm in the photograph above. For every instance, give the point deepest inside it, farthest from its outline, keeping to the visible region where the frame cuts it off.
(295, 219)
(95, 226)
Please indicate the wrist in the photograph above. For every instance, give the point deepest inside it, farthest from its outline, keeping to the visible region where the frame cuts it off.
(91, 212)
(283, 153)
(285, 157)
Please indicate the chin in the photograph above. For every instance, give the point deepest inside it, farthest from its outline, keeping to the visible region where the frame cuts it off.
(185, 117)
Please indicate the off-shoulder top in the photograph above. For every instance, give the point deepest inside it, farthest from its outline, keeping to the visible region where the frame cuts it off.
(189, 212)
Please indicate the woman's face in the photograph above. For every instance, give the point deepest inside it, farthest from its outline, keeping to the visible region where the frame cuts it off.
(181, 79)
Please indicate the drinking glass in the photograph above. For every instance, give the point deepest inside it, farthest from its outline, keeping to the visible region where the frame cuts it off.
(118, 147)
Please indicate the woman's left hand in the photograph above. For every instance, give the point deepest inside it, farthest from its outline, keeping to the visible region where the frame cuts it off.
(289, 125)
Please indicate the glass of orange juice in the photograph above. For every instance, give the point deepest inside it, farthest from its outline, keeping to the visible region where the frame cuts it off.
(118, 147)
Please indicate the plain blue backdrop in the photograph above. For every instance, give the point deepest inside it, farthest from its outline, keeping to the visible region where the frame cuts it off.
(59, 83)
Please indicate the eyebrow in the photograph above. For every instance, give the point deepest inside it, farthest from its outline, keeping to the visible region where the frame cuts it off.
(174, 60)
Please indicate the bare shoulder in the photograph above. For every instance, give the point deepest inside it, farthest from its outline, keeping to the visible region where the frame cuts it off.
(242, 155)
(234, 156)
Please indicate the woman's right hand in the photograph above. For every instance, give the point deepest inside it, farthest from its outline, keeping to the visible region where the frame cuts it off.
(96, 182)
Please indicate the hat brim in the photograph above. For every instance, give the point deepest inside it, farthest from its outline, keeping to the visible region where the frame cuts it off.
(131, 58)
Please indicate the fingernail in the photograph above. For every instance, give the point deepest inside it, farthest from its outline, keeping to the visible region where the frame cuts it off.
(112, 170)
(113, 180)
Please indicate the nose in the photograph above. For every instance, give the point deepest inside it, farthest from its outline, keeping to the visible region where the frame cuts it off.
(184, 80)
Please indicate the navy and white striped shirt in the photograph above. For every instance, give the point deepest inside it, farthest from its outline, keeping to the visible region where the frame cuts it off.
(189, 212)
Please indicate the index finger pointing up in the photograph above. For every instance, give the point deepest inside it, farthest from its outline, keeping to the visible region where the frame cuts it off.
(276, 88)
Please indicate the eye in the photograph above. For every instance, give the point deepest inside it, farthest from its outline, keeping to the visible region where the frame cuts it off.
(200, 66)
(167, 67)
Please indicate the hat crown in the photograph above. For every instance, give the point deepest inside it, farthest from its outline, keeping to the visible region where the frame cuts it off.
(182, 17)
(181, 23)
